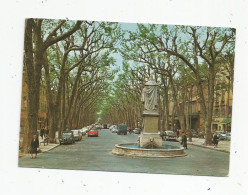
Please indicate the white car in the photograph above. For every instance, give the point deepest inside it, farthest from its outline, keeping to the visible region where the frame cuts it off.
(85, 129)
(228, 136)
(112, 127)
(77, 135)
(114, 130)
(170, 135)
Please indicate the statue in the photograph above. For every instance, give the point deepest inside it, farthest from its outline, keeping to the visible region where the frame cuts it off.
(149, 95)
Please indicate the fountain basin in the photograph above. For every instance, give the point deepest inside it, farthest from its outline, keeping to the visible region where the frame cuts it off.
(133, 150)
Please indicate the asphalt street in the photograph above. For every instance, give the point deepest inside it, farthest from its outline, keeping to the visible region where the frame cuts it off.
(94, 154)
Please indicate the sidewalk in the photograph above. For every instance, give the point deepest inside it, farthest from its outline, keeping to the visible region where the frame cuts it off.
(43, 148)
(223, 146)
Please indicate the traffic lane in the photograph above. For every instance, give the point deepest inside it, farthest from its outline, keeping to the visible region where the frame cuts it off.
(199, 161)
(95, 154)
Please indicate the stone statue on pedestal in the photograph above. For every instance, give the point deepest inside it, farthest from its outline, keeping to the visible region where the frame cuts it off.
(150, 136)
(149, 96)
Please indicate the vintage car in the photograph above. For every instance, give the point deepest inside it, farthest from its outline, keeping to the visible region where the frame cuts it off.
(93, 133)
(77, 135)
(228, 136)
(122, 129)
(170, 135)
(67, 138)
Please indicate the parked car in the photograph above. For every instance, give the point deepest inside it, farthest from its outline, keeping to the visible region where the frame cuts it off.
(77, 135)
(93, 133)
(122, 129)
(170, 135)
(222, 136)
(219, 133)
(83, 131)
(112, 127)
(114, 130)
(228, 136)
(67, 138)
(137, 130)
(99, 126)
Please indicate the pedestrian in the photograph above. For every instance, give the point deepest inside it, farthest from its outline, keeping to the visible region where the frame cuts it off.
(184, 140)
(177, 131)
(215, 140)
(190, 135)
(34, 146)
(42, 132)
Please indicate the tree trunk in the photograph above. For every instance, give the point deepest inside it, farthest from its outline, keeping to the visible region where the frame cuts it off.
(210, 105)
(33, 61)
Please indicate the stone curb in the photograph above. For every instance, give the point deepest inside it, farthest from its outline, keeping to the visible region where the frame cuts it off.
(50, 148)
(202, 146)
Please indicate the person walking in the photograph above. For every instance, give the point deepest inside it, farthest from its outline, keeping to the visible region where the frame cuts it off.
(184, 140)
(215, 140)
(34, 145)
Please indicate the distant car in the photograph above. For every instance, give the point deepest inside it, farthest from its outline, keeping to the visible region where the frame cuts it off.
(67, 138)
(170, 135)
(219, 133)
(105, 126)
(137, 130)
(122, 129)
(98, 126)
(77, 135)
(83, 131)
(222, 136)
(228, 136)
(112, 127)
(114, 130)
(93, 133)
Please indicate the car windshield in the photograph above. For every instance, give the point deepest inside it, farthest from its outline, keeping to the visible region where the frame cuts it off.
(67, 134)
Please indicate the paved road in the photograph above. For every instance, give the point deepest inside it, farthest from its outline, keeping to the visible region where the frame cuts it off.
(94, 154)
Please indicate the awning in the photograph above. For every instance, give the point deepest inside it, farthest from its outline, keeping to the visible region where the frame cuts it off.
(226, 121)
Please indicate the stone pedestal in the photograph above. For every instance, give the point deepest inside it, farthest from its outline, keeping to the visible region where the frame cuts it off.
(150, 136)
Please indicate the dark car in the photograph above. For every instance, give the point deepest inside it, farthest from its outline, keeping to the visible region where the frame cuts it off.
(67, 138)
(122, 129)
